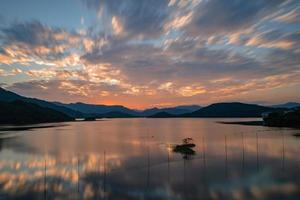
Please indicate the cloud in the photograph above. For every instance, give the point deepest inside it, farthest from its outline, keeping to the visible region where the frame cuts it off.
(273, 38)
(139, 63)
(181, 60)
(192, 90)
(11, 72)
(184, 67)
(33, 42)
(217, 16)
(292, 16)
(139, 18)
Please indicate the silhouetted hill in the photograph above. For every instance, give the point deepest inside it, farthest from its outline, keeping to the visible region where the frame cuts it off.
(234, 109)
(190, 108)
(150, 111)
(114, 114)
(82, 110)
(20, 112)
(8, 96)
(162, 115)
(177, 110)
(92, 109)
(98, 109)
(288, 105)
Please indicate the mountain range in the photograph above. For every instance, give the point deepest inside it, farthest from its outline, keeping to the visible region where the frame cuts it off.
(96, 110)
(178, 110)
(288, 105)
(233, 109)
(8, 96)
(82, 110)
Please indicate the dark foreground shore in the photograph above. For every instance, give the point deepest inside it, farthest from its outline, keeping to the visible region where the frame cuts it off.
(248, 123)
(25, 128)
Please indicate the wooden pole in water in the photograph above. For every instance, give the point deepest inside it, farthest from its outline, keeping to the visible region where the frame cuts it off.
(204, 165)
(168, 163)
(283, 151)
(78, 175)
(45, 178)
(257, 158)
(184, 178)
(148, 165)
(226, 159)
(104, 177)
(243, 154)
(204, 159)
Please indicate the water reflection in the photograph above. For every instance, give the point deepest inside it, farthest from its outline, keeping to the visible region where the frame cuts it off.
(119, 159)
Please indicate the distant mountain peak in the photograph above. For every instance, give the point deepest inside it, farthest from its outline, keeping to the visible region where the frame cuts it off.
(231, 109)
(162, 114)
(287, 105)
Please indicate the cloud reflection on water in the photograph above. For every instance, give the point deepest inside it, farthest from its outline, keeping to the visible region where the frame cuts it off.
(138, 168)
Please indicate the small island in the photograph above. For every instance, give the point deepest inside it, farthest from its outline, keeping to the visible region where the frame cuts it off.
(186, 148)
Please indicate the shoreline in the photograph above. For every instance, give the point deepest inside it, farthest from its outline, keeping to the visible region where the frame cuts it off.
(256, 123)
(25, 128)
(247, 123)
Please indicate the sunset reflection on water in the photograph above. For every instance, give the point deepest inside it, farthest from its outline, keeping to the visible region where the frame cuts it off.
(132, 159)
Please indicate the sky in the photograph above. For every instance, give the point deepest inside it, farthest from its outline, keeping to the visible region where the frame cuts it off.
(145, 53)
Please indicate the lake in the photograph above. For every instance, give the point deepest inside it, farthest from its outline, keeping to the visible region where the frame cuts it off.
(133, 159)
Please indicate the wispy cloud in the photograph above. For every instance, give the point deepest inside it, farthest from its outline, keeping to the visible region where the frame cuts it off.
(170, 51)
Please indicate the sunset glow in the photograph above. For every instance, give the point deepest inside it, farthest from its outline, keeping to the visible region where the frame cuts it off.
(145, 53)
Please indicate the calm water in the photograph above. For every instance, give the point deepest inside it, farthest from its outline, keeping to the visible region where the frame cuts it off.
(131, 159)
